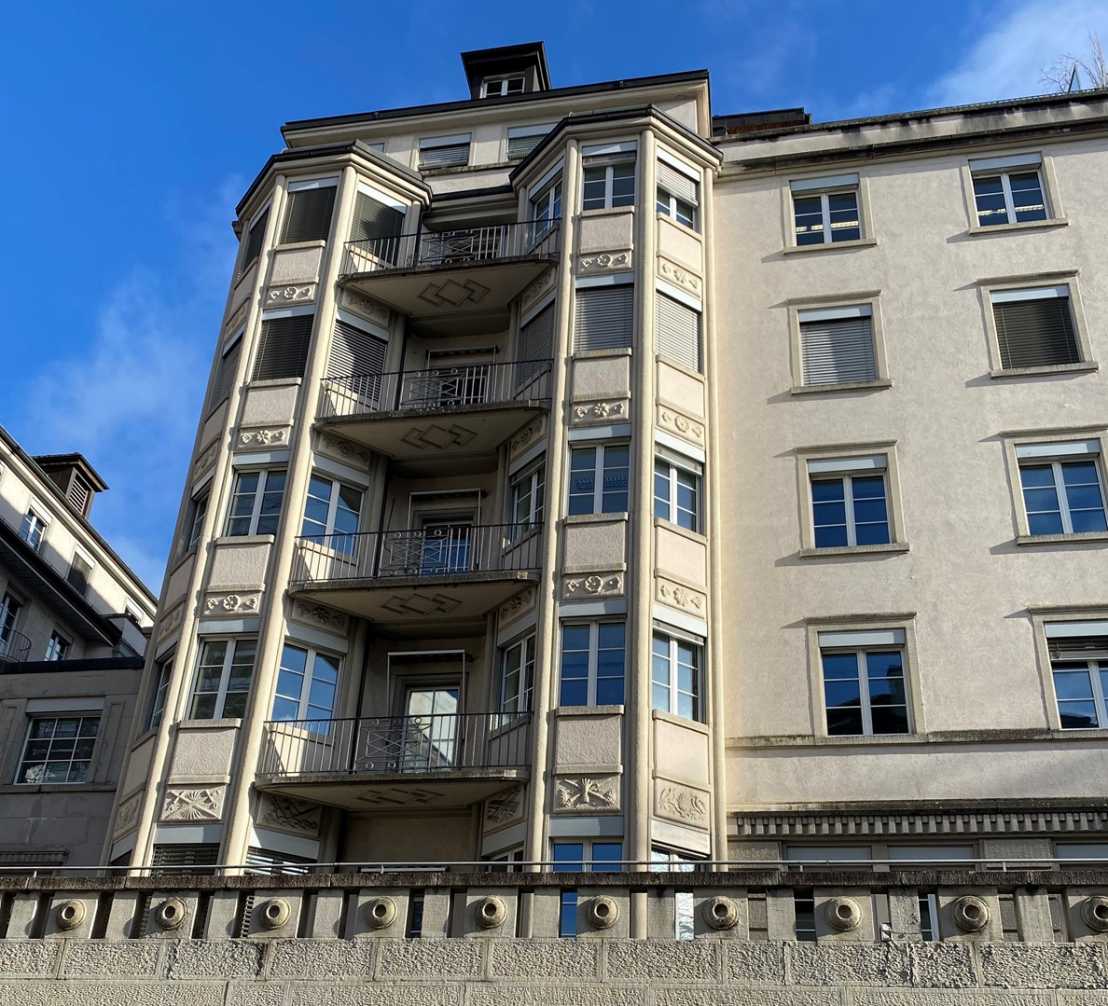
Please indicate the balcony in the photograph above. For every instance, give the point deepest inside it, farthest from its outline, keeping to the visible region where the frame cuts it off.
(396, 762)
(430, 275)
(15, 647)
(450, 411)
(454, 572)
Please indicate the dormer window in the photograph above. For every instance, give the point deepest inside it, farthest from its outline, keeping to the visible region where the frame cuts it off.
(498, 87)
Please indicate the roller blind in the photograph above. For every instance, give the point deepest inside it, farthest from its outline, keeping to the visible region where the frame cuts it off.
(444, 151)
(1035, 333)
(254, 241)
(1078, 647)
(536, 344)
(228, 366)
(677, 331)
(309, 214)
(355, 352)
(186, 854)
(603, 318)
(373, 219)
(284, 347)
(673, 181)
(838, 350)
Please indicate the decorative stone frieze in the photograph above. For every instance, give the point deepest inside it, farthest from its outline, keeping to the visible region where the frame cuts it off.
(343, 450)
(504, 809)
(285, 813)
(681, 277)
(193, 804)
(536, 288)
(274, 437)
(518, 604)
(365, 306)
(677, 595)
(205, 461)
(127, 815)
(600, 262)
(293, 293)
(529, 435)
(586, 793)
(681, 803)
(320, 615)
(593, 585)
(237, 317)
(216, 605)
(678, 423)
(584, 413)
(171, 621)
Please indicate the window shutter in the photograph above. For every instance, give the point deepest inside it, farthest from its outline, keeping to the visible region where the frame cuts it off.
(603, 318)
(78, 575)
(673, 181)
(355, 352)
(269, 862)
(373, 219)
(186, 854)
(520, 146)
(78, 494)
(677, 331)
(225, 379)
(1077, 647)
(838, 350)
(1035, 333)
(309, 214)
(536, 338)
(254, 241)
(443, 152)
(284, 348)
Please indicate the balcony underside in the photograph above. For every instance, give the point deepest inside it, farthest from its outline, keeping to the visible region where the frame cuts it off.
(400, 790)
(415, 434)
(399, 599)
(430, 292)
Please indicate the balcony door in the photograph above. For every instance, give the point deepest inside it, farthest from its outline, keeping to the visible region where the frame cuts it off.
(446, 546)
(431, 736)
(458, 380)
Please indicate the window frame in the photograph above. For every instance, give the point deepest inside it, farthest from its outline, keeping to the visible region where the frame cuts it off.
(863, 299)
(542, 205)
(59, 644)
(35, 516)
(260, 217)
(525, 692)
(11, 604)
(592, 666)
(824, 186)
(598, 469)
(669, 210)
(432, 143)
(609, 162)
(306, 185)
(219, 710)
(337, 485)
(80, 556)
(674, 637)
(1043, 617)
(1044, 281)
(980, 167)
(311, 654)
(674, 462)
(194, 519)
(80, 716)
(156, 707)
(534, 474)
(259, 495)
(502, 79)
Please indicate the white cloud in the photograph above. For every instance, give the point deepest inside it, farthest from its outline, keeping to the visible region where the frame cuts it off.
(1015, 46)
(129, 399)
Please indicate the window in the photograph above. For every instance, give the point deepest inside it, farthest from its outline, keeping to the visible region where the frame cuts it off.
(669, 861)
(306, 686)
(444, 151)
(804, 913)
(497, 87)
(592, 664)
(533, 352)
(32, 529)
(863, 682)
(283, 351)
(9, 611)
(929, 918)
(186, 855)
(509, 861)
(1062, 488)
(825, 210)
(225, 375)
(1034, 327)
(849, 501)
(194, 522)
(308, 217)
(677, 331)
(254, 238)
(837, 345)
(1079, 668)
(378, 221)
(517, 677)
(608, 185)
(582, 857)
(58, 749)
(603, 317)
(256, 502)
(598, 479)
(223, 679)
(1008, 190)
(523, 139)
(80, 569)
(358, 354)
(677, 492)
(677, 676)
(331, 514)
(527, 490)
(677, 194)
(57, 646)
(546, 206)
(161, 687)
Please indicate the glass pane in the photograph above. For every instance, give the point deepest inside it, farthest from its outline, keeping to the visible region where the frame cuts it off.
(842, 693)
(574, 693)
(844, 721)
(293, 658)
(868, 511)
(659, 696)
(1036, 476)
(872, 534)
(840, 665)
(285, 709)
(609, 692)
(1044, 523)
(569, 856)
(605, 853)
(611, 634)
(1079, 473)
(1073, 684)
(1088, 520)
(1077, 715)
(890, 720)
(235, 706)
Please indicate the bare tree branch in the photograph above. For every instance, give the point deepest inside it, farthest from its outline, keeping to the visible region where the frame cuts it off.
(1081, 72)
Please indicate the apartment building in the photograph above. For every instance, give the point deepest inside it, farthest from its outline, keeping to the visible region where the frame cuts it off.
(73, 627)
(587, 479)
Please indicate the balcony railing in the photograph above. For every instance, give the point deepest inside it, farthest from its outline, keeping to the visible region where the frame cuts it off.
(441, 389)
(15, 647)
(466, 246)
(455, 550)
(391, 745)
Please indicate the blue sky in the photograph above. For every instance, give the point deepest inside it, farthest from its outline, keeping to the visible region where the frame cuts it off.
(132, 126)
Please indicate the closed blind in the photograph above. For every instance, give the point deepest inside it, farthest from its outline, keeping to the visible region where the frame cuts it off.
(373, 219)
(228, 367)
(269, 862)
(284, 348)
(520, 146)
(78, 575)
(444, 157)
(1035, 333)
(254, 241)
(536, 344)
(309, 215)
(603, 318)
(355, 352)
(838, 350)
(677, 331)
(187, 854)
(673, 181)
(1078, 647)
(78, 494)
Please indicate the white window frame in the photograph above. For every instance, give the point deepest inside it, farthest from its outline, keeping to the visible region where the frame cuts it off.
(500, 85)
(601, 449)
(525, 693)
(859, 643)
(673, 462)
(1059, 629)
(542, 206)
(823, 189)
(1060, 491)
(245, 242)
(197, 511)
(609, 165)
(825, 469)
(1003, 167)
(225, 675)
(593, 625)
(57, 646)
(310, 655)
(534, 474)
(1100, 700)
(80, 716)
(156, 712)
(1038, 453)
(10, 607)
(259, 494)
(1009, 205)
(333, 503)
(34, 514)
(673, 637)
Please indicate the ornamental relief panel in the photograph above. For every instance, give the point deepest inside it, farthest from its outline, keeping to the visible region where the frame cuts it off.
(193, 804)
(678, 423)
(593, 585)
(283, 813)
(278, 437)
(370, 309)
(518, 605)
(237, 317)
(533, 291)
(171, 621)
(295, 293)
(127, 815)
(681, 277)
(530, 434)
(677, 595)
(205, 461)
(600, 262)
(216, 605)
(680, 803)
(586, 793)
(600, 412)
(504, 809)
(321, 616)
(343, 450)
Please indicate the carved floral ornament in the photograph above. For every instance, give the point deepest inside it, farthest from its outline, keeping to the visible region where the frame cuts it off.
(193, 804)
(680, 424)
(517, 605)
(679, 276)
(263, 438)
(528, 435)
(595, 411)
(370, 308)
(292, 294)
(679, 596)
(318, 614)
(583, 792)
(596, 584)
(504, 809)
(604, 262)
(127, 816)
(680, 803)
(232, 604)
(343, 449)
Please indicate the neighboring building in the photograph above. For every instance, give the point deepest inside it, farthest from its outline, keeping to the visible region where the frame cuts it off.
(73, 627)
(583, 477)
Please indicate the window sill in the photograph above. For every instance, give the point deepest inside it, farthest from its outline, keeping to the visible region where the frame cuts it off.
(684, 532)
(273, 382)
(221, 724)
(1061, 539)
(819, 389)
(597, 354)
(830, 246)
(681, 721)
(27, 788)
(601, 211)
(1030, 225)
(1081, 367)
(596, 518)
(691, 231)
(245, 539)
(300, 245)
(589, 710)
(847, 550)
(943, 737)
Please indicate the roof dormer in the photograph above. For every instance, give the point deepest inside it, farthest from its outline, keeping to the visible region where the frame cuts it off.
(506, 70)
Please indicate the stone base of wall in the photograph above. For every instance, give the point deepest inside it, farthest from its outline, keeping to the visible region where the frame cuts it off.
(516, 972)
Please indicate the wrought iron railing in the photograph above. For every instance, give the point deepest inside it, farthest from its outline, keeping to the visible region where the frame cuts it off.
(390, 745)
(465, 246)
(452, 550)
(438, 390)
(15, 647)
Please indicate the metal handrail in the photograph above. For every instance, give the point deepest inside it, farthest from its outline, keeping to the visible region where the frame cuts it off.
(387, 745)
(15, 648)
(463, 246)
(454, 550)
(439, 389)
